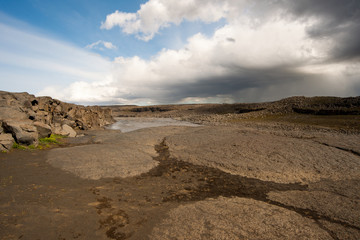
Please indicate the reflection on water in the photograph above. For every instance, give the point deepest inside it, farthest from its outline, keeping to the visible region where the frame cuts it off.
(129, 124)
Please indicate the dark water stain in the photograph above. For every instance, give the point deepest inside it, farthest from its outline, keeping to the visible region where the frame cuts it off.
(214, 183)
(129, 208)
(342, 149)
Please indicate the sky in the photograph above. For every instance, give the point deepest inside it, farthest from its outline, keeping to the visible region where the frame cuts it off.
(147, 52)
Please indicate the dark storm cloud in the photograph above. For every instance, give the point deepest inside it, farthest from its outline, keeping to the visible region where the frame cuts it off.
(241, 79)
(339, 20)
(267, 50)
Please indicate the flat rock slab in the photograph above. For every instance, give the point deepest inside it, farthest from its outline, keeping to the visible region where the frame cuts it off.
(236, 218)
(114, 154)
(102, 161)
(262, 155)
(328, 204)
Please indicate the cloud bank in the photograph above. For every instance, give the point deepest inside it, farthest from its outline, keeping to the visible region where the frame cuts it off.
(266, 50)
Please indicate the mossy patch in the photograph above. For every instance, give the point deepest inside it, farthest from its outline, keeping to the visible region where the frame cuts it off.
(44, 143)
(49, 141)
(18, 146)
(52, 139)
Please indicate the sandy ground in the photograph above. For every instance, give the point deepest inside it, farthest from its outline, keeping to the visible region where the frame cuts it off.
(209, 182)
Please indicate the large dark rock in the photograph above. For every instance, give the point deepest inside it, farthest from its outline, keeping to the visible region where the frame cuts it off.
(43, 129)
(23, 132)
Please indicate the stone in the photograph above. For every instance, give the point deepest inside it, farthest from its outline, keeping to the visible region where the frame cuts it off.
(263, 155)
(70, 132)
(69, 122)
(236, 218)
(23, 106)
(23, 132)
(64, 130)
(43, 129)
(12, 113)
(328, 204)
(6, 142)
(31, 114)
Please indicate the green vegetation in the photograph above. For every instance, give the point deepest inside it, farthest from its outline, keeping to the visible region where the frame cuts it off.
(32, 146)
(43, 143)
(48, 141)
(52, 139)
(18, 146)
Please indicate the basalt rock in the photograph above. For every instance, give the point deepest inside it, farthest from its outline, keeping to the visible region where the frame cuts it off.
(6, 142)
(28, 118)
(22, 131)
(64, 130)
(43, 129)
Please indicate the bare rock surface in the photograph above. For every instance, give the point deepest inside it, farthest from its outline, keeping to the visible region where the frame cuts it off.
(331, 205)
(114, 155)
(227, 180)
(6, 142)
(95, 162)
(345, 188)
(262, 155)
(341, 232)
(236, 218)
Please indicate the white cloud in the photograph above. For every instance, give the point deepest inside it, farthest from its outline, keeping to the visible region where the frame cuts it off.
(99, 44)
(261, 53)
(272, 60)
(30, 62)
(157, 14)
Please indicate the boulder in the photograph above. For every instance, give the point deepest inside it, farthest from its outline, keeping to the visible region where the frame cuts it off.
(64, 130)
(23, 132)
(69, 131)
(6, 142)
(43, 129)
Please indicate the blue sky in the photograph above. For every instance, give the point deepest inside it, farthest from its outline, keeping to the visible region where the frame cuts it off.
(78, 22)
(158, 51)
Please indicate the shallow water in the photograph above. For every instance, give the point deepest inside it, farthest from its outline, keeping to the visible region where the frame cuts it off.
(128, 124)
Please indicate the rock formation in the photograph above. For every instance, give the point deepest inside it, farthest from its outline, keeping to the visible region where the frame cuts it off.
(25, 118)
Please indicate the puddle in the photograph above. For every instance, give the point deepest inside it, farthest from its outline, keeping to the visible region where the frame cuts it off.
(128, 124)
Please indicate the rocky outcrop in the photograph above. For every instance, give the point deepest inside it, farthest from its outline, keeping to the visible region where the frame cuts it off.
(28, 118)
